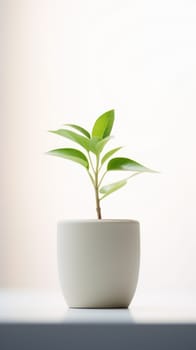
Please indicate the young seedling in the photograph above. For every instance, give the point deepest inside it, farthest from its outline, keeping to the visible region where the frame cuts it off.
(93, 144)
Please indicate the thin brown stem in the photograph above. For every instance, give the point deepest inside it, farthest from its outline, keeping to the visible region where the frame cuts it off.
(98, 208)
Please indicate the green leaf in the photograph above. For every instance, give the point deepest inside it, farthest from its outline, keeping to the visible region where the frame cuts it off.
(108, 189)
(93, 143)
(109, 154)
(97, 145)
(81, 140)
(127, 165)
(80, 129)
(71, 154)
(103, 125)
(101, 144)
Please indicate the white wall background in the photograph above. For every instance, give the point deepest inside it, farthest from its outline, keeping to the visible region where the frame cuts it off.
(69, 61)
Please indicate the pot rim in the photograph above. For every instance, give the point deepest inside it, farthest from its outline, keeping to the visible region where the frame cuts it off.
(97, 221)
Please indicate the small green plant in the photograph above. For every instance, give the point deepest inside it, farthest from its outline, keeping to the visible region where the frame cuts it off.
(96, 165)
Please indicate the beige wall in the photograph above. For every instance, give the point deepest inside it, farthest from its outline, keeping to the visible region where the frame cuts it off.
(68, 61)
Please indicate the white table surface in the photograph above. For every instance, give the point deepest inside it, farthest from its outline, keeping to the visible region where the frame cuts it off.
(50, 307)
(41, 320)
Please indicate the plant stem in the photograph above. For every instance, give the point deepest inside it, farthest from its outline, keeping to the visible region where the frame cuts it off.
(91, 178)
(95, 181)
(104, 174)
(98, 208)
(91, 163)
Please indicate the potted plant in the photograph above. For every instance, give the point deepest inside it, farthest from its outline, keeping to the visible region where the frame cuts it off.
(98, 259)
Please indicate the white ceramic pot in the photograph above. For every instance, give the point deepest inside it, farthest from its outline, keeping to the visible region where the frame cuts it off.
(98, 262)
